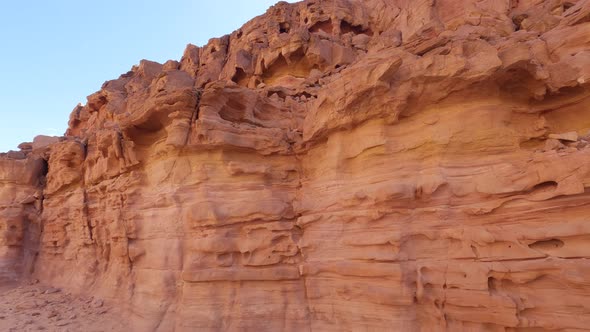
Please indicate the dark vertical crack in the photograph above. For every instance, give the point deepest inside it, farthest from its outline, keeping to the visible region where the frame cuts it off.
(33, 220)
(301, 231)
(87, 217)
(194, 116)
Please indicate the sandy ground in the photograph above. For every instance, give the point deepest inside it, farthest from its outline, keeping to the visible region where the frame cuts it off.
(36, 307)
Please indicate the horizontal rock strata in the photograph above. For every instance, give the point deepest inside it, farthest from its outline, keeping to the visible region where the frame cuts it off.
(332, 165)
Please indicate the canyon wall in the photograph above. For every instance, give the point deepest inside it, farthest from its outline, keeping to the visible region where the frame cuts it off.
(332, 165)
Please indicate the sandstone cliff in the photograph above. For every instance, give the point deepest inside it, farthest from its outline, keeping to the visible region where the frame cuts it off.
(332, 165)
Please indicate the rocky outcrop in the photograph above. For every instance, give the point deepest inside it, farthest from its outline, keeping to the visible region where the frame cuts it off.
(21, 196)
(332, 165)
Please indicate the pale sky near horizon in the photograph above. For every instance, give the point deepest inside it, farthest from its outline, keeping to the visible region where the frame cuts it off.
(55, 53)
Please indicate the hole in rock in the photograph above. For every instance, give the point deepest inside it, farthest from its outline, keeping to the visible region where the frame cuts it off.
(240, 77)
(279, 93)
(233, 111)
(492, 284)
(284, 27)
(325, 26)
(564, 94)
(519, 84)
(44, 171)
(44, 167)
(545, 186)
(297, 56)
(346, 27)
(278, 67)
(547, 244)
(149, 131)
(517, 20)
(299, 66)
(306, 94)
(225, 259)
(98, 104)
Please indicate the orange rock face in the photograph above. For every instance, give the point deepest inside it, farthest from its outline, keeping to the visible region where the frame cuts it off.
(332, 165)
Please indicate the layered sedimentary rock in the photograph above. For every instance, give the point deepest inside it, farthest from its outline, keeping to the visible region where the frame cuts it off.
(332, 165)
(19, 197)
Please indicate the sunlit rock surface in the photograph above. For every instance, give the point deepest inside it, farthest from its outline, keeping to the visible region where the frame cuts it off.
(332, 165)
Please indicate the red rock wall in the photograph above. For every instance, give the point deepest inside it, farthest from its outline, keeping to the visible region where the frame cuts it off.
(20, 205)
(336, 165)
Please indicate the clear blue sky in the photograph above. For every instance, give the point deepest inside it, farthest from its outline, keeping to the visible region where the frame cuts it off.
(55, 53)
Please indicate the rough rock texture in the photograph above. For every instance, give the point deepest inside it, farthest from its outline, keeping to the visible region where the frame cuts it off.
(332, 165)
(40, 308)
(21, 179)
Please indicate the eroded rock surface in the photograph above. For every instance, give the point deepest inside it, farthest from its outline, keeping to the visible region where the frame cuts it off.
(332, 165)
(36, 307)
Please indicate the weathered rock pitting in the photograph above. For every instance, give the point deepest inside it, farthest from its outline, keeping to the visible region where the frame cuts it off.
(332, 165)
